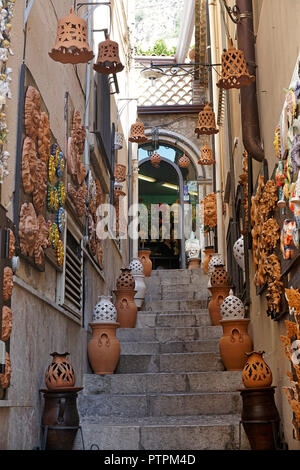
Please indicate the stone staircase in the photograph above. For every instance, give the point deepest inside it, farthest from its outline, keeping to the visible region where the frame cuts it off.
(170, 390)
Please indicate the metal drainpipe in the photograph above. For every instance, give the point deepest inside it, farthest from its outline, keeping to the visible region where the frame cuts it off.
(249, 106)
(220, 227)
(87, 96)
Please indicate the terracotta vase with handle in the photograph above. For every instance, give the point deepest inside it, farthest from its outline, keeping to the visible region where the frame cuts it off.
(208, 254)
(235, 343)
(144, 256)
(104, 348)
(219, 293)
(126, 308)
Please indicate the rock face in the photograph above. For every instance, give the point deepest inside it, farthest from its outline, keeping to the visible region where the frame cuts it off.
(170, 390)
(157, 20)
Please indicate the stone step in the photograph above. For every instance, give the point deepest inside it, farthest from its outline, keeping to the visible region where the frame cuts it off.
(152, 320)
(164, 404)
(166, 433)
(174, 362)
(176, 304)
(224, 381)
(169, 334)
(154, 347)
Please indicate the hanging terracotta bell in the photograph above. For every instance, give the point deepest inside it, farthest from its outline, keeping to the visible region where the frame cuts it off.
(137, 133)
(206, 157)
(234, 69)
(120, 173)
(71, 45)
(184, 161)
(206, 122)
(108, 60)
(155, 159)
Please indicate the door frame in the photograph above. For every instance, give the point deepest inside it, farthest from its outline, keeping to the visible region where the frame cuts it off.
(181, 201)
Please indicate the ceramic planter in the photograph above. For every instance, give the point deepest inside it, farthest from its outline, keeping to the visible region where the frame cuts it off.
(104, 310)
(104, 348)
(137, 271)
(194, 263)
(126, 308)
(60, 374)
(144, 256)
(215, 260)
(232, 308)
(234, 343)
(218, 294)
(256, 372)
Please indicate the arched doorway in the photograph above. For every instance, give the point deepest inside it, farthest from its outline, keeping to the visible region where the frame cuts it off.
(165, 192)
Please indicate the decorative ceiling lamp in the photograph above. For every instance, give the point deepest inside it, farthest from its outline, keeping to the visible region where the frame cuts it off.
(71, 45)
(234, 69)
(206, 122)
(108, 60)
(206, 157)
(155, 159)
(184, 161)
(137, 133)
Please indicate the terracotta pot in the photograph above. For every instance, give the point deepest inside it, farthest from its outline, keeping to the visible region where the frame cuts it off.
(194, 263)
(219, 276)
(208, 253)
(260, 417)
(256, 372)
(234, 343)
(144, 256)
(60, 410)
(104, 348)
(60, 373)
(126, 308)
(219, 293)
(125, 280)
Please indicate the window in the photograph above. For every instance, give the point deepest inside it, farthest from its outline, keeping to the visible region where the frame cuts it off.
(70, 282)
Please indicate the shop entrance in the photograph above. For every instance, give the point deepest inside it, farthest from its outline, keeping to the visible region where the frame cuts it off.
(163, 193)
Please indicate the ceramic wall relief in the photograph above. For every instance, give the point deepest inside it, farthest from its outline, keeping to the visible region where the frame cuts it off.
(40, 187)
(42, 240)
(79, 198)
(29, 160)
(8, 283)
(6, 323)
(28, 229)
(44, 138)
(32, 112)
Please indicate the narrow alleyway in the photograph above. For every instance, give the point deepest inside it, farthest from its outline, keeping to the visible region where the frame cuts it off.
(170, 390)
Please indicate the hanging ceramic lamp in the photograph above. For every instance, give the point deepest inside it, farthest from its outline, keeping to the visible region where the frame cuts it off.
(71, 45)
(206, 156)
(184, 161)
(137, 133)
(108, 60)
(206, 122)
(155, 159)
(234, 69)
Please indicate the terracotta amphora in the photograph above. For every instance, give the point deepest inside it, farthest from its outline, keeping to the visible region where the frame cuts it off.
(219, 293)
(234, 343)
(144, 256)
(256, 372)
(208, 252)
(126, 308)
(104, 348)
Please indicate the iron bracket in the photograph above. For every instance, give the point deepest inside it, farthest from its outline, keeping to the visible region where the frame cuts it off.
(233, 12)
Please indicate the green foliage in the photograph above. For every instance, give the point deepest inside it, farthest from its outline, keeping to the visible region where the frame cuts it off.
(159, 48)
